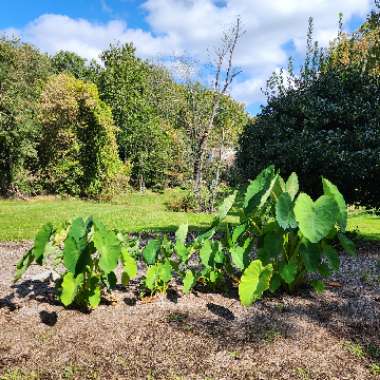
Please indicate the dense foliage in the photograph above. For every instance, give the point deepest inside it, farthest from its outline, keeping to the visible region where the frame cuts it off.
(77, 148)
(23, 71)
(57, 115)
(324, 121)
(282, 238)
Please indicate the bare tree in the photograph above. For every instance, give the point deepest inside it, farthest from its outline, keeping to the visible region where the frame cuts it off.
(201, 121)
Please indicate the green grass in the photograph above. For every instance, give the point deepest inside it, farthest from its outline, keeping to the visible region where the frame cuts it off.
(366, 224)
(135, 212)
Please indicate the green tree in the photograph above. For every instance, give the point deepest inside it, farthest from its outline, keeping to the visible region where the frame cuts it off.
(23, 69)
(71, 63)
(137, 93)
(77, 151)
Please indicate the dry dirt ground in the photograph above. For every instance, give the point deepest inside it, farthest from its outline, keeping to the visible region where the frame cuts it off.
(335, 335)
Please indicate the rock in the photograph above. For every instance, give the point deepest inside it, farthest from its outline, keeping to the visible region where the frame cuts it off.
(45, 276)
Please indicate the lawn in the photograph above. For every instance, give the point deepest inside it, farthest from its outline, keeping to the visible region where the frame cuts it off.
(20, 219)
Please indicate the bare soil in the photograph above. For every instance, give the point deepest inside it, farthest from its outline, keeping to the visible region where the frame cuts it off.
(305, 336)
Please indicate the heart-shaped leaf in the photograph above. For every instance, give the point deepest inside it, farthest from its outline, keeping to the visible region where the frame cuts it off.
(151, 250)
(292, 186)
(108, 246)
(316, 219)
(129, 266)
(224, 208)
(189, 281)
(330, 189)
(284, 212)
(257, 189)
(254, 282)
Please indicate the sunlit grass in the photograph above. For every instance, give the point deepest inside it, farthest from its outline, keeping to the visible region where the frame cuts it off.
(133, 212)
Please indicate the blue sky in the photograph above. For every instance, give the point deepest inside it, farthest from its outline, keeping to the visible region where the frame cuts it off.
(275, 29)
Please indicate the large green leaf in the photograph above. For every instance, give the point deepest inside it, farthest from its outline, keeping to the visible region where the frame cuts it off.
(288, 272)
(70, 285)
(41, 241)
(331, 255)
(129, 266)
(315, 219)
(347, 244)
(218, 255)
(23, 264)
(224, 208)
(237, 232)
(94, 295)
(284, 212)
(75, 243)
(292, 186)
(151, 250)
(151, 277)
(189, 281)
(330, 189)
(272, 245)
(182, 251)
(205, 253)
(311, 255)
(257, 189)
(240, 254)
(180, 241)
(254, 281)
(108, 246)
(165, 271)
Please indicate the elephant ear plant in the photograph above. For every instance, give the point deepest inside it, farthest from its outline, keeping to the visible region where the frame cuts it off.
(294, 235)
(89, 254)
(283, 239)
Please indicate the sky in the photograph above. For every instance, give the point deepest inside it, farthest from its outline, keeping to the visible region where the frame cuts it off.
(274, 30)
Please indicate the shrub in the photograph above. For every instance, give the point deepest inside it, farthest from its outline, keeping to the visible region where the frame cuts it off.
(324, 121)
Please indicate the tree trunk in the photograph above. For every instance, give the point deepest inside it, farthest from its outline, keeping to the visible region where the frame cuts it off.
(198, 172)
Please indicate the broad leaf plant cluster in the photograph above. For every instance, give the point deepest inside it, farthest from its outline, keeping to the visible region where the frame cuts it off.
(283, 239)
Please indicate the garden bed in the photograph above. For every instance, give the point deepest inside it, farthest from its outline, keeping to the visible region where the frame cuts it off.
(335, 335)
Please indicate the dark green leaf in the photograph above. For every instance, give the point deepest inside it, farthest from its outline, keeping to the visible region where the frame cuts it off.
(288, 272)
(347, 244)
(284, 212)
(151, 250)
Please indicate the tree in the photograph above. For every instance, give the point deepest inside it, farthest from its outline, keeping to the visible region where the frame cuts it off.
(71, 63)
(203, 104)
(140, 95)
(326, 123)
(77, 150)
(23, 69)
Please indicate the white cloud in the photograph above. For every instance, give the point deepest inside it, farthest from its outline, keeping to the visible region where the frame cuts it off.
(52, 33)
(193, 26)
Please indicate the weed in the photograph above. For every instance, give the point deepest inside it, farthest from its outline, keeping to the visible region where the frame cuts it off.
(303, 373)
(355, 349)
(375, 369)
